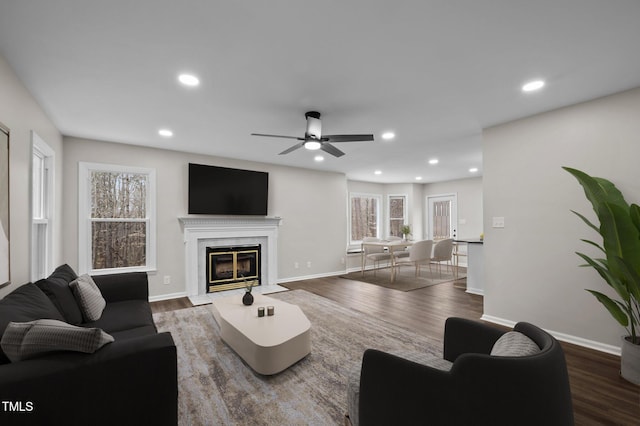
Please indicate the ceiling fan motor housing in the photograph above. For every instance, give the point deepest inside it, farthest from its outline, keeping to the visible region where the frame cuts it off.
(314, 125)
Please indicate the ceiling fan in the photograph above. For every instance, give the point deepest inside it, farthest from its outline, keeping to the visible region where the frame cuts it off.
(313, 138)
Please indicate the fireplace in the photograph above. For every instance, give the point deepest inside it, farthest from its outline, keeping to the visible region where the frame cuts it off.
(201, 232)
(232, 267)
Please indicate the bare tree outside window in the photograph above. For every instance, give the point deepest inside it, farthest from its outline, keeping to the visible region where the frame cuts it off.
(364, 217)
(118, 219)
(396, 215)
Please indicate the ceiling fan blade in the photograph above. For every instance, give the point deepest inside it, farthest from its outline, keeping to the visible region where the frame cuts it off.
(277, 136)
(327, 147)
(293, 148)
(347, 138)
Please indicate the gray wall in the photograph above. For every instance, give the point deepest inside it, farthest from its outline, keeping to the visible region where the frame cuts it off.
(532, 273)
(312, 206)
(22, 114)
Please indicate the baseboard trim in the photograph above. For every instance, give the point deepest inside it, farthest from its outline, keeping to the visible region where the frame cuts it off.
(563, 337)
(309, 277)
(168, 296)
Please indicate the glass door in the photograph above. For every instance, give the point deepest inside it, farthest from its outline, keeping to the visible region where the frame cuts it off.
(442, 217)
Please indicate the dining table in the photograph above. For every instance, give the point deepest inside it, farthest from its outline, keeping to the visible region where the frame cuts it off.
(392, 246)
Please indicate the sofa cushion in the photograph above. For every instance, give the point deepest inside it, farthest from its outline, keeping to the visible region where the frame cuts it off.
(24, 340)
(124, 315)
(26, 303)
(88, 296)
(514, 343)
(62, 297)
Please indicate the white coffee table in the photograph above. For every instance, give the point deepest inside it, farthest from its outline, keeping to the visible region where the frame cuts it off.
(268, 344)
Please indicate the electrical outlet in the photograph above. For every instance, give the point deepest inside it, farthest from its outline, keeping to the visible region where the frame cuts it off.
(498, 222)
(167, 279)
(296, 265)
(309, 264)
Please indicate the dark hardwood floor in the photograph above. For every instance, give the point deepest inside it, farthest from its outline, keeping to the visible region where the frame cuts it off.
(600, 395)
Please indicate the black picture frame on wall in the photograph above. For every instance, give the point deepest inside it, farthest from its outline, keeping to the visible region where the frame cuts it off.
(5, 264)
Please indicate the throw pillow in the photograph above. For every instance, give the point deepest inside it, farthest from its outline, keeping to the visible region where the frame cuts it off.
(62, 297)
(514, 343)
(24, 340)
(89, 297)
(63, 274)
(26, 303)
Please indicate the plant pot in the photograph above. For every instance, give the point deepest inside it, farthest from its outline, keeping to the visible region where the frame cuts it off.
(247, 299)
(630, 361)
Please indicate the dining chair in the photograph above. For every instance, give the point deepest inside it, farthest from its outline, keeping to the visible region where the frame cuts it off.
(442, 252)
(419, 252)
(376, 254)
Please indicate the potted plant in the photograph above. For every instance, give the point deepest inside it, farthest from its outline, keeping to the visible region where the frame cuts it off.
(619, 228)
(406, 231)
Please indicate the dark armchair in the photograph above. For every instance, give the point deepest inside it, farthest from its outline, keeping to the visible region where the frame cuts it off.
(478, 389)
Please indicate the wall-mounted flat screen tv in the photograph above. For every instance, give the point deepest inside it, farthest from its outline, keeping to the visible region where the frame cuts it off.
(225, 191)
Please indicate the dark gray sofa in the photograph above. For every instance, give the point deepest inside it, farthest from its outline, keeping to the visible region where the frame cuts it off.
(132, 381)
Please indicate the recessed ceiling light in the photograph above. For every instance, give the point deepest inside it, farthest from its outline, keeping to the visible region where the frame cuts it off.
(473, 169)
(388, 135)
(433, 161)
(378, 172)
(188, 80)
(418, 177)
(533, 85)
(319, 158)
(166, 133)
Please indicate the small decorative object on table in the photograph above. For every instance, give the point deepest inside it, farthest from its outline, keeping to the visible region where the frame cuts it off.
(260, 311)
(270, 310)
(406, 231)
(247, 299)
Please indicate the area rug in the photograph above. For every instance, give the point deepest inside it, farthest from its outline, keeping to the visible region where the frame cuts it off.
(406, 279)
(217, 388)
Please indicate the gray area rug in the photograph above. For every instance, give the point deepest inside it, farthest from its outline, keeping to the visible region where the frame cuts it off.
(406, 279)
(217, 388)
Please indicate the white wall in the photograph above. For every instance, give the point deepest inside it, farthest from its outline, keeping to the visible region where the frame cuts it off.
(21, 114)
(312, 206)
(532, 273)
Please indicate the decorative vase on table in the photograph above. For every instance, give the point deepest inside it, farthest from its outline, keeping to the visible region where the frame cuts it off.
(247, 299)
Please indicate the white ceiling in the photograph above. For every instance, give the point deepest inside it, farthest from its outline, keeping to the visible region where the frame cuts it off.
(436, 72)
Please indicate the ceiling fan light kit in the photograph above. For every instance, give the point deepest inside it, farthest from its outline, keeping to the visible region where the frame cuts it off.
(313, 139)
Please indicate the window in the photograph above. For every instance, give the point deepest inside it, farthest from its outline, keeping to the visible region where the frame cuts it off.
(42, 186)
(397, 214)
(365, 217)
(117, 218)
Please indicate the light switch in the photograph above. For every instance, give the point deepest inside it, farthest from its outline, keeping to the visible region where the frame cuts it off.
(498, 222)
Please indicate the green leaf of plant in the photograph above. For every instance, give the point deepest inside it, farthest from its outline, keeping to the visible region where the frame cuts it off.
(620, 236)
(598, 190)
(587, 221)
(600, 265)
(616, 312)
(634, 212)
(593, 244)
(631, 277)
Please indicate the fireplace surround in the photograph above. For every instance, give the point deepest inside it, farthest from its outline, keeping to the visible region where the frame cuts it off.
(201, 232)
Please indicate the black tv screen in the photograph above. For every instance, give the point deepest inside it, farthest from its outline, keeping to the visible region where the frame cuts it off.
(221, 190)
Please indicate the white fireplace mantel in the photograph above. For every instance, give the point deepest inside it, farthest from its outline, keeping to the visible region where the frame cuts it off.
(225, 231)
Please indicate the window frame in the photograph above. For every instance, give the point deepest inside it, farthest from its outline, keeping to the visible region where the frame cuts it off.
(42, 226)
(356, 244)
(405, 214)
(85, 220)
